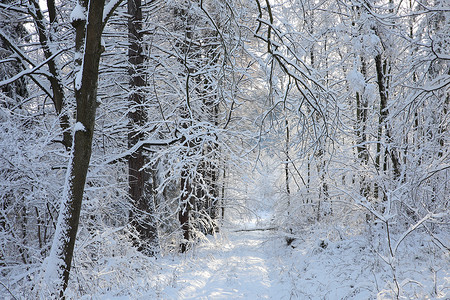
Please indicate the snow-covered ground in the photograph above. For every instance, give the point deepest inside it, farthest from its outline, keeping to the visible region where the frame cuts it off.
(242, 263)
(243, 267)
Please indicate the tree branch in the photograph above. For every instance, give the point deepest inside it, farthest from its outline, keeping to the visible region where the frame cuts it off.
(139, 146)
(30, 71)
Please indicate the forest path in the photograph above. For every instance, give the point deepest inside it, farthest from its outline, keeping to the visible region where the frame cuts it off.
(323, 263)
(242, 265)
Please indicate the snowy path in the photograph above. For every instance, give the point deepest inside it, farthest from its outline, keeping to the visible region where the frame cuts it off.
(243, 267)
(259, 265)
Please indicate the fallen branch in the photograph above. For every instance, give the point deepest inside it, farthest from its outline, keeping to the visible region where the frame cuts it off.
(257, 229)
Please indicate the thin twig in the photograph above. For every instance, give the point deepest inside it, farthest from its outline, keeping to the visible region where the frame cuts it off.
(12, 295)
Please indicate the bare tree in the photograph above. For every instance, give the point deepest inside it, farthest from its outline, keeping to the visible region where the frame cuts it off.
(139, 178)
(58, 264)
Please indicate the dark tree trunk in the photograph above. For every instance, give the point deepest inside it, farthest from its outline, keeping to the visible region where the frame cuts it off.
(384, 113)
(186, 203)
(139, 178)
(222, 199)
(86, 100)
(361, 120)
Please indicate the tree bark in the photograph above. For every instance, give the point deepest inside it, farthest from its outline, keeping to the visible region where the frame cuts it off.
(139, 178)
(186, 204)
(361, 120)
(384, 113)
(86, 100)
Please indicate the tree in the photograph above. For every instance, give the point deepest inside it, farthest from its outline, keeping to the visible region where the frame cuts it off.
(58, 264)
(139, 177)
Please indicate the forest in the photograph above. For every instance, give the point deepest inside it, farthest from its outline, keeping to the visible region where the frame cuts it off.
(224, 149)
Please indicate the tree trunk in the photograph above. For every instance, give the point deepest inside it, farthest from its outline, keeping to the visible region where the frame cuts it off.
(222, 197)
(186, 204)
(361, 120)
(210, 169)
(139, 178)
(60, 260)
(289, 239)
(384, 113)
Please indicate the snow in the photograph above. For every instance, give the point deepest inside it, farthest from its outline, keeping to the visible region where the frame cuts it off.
(259, 265)
(79, 127)
(78, 78)
(78, 13)
(109, 7)
(242, 268)
(356, 81)
(53, 266)
(368, 43)
(252, 261)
